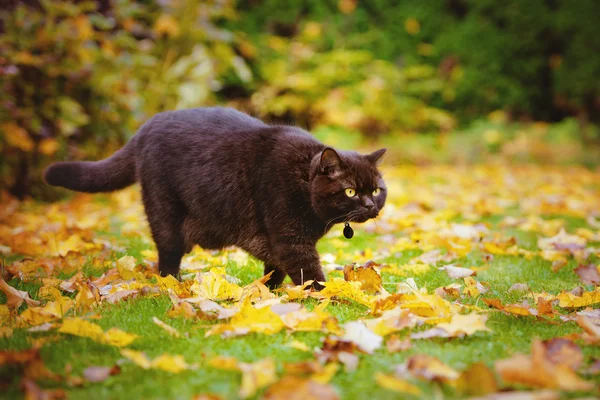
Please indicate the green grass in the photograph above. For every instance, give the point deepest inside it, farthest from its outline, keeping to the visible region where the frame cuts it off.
(510, 334)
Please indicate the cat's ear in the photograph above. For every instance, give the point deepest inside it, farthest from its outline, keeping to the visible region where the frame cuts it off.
(330, 161)
(376, 157)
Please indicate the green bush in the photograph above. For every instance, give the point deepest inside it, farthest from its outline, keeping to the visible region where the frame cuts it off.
(534, 58)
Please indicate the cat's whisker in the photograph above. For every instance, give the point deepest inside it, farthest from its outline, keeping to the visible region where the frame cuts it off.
(347, 215)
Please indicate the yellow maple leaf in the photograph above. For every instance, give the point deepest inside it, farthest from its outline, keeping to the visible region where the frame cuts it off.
(396, 384)
(118, 338)
(172, 331)
(86, 298)
(249, 319)
(83, 328)
(317, 320)
(169, 283)
(298, 292)
(52, 311)
(164, 362)
(213, 285)
(139, 358)
(366, 274)
(340, 288)
(391, 321)
(569, 300)
(73, 243)
(126, 267)
(170, 363)
(465, 324)
(255, 376)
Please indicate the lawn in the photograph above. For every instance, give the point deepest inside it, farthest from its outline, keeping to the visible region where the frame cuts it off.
(449, 248)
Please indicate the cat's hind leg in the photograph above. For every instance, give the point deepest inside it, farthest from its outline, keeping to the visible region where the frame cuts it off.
(165, 216)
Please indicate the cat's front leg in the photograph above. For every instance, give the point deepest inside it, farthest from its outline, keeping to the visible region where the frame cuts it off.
(300, 261)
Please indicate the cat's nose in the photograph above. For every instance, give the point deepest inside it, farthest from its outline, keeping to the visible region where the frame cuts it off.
(367, 203)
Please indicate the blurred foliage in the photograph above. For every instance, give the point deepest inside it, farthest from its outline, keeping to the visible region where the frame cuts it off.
(78, 78)
(534, 58)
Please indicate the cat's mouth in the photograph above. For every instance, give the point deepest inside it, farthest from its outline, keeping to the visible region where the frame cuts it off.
(365, 216)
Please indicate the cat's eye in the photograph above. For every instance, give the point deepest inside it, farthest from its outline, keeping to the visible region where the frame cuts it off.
(350, 192)
(376, 192)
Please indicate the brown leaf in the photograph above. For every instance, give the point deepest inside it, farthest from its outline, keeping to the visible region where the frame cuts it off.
(563, 352)
(557, 265)
(121, 295)
(431, 369)
(100, 374)
(478, 379)
(544, 307)
(518, 395)
(295, 388)
(588, 274)
(394, 344)
(516, 309)
(34, 392)
(18, 357)
(538, 371)
(16, 297)
(519, 287)
(589, 327)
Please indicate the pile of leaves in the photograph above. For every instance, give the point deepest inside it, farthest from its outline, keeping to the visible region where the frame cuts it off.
(474, 282)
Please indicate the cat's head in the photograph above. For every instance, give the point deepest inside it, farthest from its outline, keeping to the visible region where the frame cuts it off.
(347, 186)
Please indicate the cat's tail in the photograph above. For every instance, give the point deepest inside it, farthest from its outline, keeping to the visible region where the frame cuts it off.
(113, 173)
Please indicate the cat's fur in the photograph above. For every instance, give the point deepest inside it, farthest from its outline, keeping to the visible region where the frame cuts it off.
(217, 177)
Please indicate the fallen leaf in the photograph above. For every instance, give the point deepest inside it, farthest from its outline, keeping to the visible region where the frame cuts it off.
(83, 328)
(172, 331)
(521, 395)
(519, 287)
(249, 319)
(460, 325)
(16, 297)
(34, 392)
(366, 340)
(588, 274)
(394, 344)
(391, 321)
(538, 371)
(341, 288)
(569, 300)
(395, 384)
(477, 380)
(431, 369)
(563, 352)
(255, 376)
(515, 309)
(213, 285)
(100, 374)
(366, 274)
(118, 338)
(164, 362)
(457, 272)
(296, 388)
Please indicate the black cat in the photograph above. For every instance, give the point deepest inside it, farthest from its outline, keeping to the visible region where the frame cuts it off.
(217, 177)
